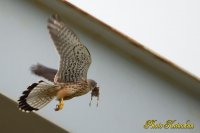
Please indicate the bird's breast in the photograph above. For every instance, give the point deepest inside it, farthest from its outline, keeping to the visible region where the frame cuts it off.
(69, 91)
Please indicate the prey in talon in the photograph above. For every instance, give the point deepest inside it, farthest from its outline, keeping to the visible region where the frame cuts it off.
(95, 93)
(69, 81)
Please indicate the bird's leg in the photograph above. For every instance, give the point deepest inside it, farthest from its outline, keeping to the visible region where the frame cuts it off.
(95, 92)
(60, 105)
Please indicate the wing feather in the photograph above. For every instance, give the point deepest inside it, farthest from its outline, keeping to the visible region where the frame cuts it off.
(75, 58)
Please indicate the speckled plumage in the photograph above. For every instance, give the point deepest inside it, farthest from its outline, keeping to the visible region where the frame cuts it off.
(75, 58)
(71, 78)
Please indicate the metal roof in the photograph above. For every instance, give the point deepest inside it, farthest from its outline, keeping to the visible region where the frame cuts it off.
(123, 43)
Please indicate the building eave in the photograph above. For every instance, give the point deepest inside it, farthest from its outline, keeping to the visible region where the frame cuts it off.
(123, 43)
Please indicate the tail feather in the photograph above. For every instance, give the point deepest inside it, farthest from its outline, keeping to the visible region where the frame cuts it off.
(37, 96)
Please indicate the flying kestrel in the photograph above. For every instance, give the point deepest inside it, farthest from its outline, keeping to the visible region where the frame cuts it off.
(69, 81)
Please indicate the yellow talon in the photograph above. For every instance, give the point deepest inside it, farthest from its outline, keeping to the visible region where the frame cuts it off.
(60, 105)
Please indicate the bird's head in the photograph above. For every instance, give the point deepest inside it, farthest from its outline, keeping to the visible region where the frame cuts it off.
(92, 84)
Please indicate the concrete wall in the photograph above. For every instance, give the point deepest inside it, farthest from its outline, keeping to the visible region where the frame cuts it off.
(130, 92)
(14, 121)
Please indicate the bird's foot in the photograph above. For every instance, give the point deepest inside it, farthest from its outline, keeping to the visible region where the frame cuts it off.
(95, 93)
(60, 105)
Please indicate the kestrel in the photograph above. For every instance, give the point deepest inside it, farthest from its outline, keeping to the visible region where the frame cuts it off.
(70, 80)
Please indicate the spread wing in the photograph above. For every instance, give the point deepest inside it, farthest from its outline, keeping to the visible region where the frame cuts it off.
(43, 71)
(75, 58)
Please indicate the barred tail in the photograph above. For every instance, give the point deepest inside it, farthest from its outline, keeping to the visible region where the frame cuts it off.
(37, 96)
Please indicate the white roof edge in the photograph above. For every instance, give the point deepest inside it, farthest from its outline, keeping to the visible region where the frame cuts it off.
(192, 80)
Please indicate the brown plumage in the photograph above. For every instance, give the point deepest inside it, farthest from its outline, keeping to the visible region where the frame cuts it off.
(71, 78)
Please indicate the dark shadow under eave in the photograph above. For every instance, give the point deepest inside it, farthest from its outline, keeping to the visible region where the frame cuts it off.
(12, 120)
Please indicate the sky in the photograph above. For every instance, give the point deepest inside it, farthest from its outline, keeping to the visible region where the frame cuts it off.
(169, 28)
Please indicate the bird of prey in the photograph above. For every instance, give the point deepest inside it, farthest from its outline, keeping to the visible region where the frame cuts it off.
(69, 81)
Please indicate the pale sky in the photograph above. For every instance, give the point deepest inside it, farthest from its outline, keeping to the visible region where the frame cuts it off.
(170, 28)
